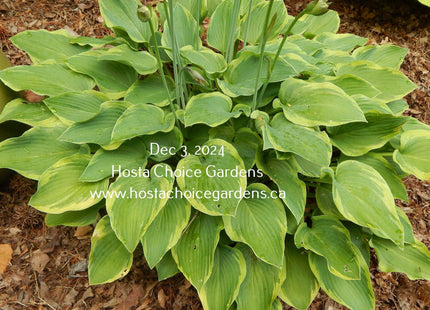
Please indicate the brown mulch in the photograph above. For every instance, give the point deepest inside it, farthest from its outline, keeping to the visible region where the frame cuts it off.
(48, 266)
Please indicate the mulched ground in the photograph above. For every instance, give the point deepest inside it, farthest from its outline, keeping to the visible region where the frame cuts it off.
(48, 266)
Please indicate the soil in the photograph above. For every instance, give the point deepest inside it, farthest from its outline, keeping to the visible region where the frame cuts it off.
(47, 269)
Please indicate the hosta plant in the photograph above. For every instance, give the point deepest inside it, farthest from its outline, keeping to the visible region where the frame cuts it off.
(262, 162)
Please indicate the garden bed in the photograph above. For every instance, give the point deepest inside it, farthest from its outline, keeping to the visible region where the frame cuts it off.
(48, 266)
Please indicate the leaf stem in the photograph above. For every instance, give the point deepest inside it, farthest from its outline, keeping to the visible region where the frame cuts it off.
(233, 25)
(163, 77)
(248, 22)
(278, 52)
(263, 40)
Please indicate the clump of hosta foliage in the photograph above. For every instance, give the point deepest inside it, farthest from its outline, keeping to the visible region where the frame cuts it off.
(271, 104)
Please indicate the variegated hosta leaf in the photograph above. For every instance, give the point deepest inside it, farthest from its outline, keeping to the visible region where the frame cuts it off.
(134, 202)
(413, 156)
(211, 109)
(167, 267)
(122, 16)
(185, 28)
(165, 230)
(355, 294)
(75, 218)
(300, 286)
(340, 41)
(215, 178)
(363, 197)
(151, 90)
(109, 259)
(194, 252)
(261, 223)
(222, 287)
(34, 114)
(35, 151)
(220, 25)
(278, 14)
(112, 78)
(313, 104)
(142, 119)
(351, 85)
(56, 45)
(240, 77)
(98, 129)
(205, 58)
(45, 79)
(387, 55)
(359, 138)
(284, 174)
(163, 145)
(262, 282)
(59, 189)
(413, 259)
(330, 239)
(131, 154)
(284, 136)
(76, 106)
(392, 83)
(387, 171)
(143, 62)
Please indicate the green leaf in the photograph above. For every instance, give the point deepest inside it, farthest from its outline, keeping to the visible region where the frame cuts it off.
(300, 286)
(391, 83)
(98, 42)
(220, 25)
(112, 78)
(158, 142)
(56, 45)
(372, 105)
(313, 104)
(74, 218)
(330, 239)
(109, 259)
(141, 198)
(413, 156)
(359, 138)
(387, 55)
(99, 129)
(397, 107)
(284, 174)
(340, 41)
(76, 106)
(261, 285)
(131, 154)
(193, 7)
(35, 151)
(261, 223)
(34, 114)
(312, 26)
(407, 226)
(286, 137)
(325, 202)
(151, 90)
(364, 198)
(218, 176)
(194, 252)
(387, 171)
(355, 294)
(240, 76)
(143, 62)
(122, 16)
(413, 259)
(222, 287)
(46, 79)
(247, 144)
(353, 85)
(59, 189)
(165, 230)
(142, 119)
(205, 58)
(257, 18)
(167, 267)
(186, 30)
(212, 109)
